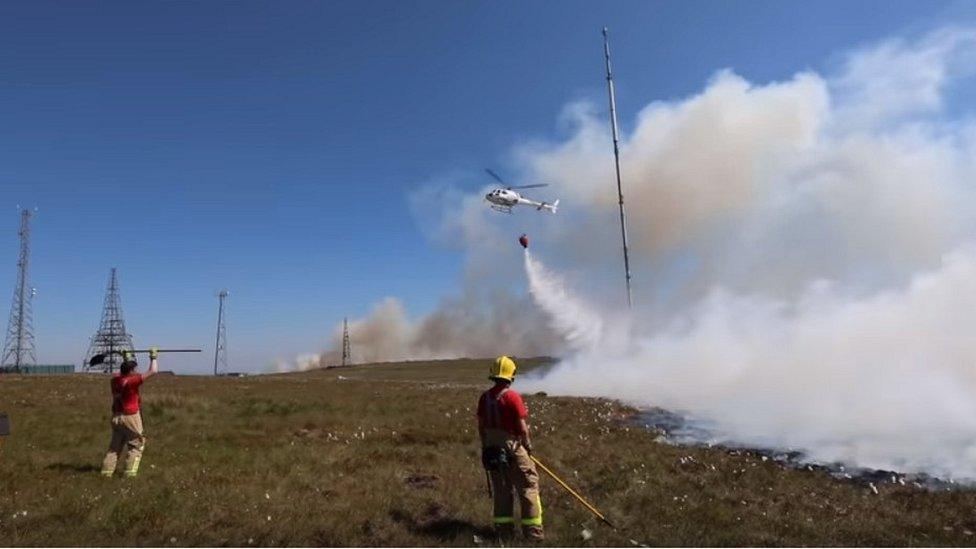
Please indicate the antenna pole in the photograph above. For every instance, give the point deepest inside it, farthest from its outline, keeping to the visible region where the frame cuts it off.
(346, 358)
(220, 349)
(616, 159)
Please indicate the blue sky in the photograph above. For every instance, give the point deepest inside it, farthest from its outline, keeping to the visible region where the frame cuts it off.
(270, 147)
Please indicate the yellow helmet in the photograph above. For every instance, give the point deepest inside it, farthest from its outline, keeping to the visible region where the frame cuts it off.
(503, 368)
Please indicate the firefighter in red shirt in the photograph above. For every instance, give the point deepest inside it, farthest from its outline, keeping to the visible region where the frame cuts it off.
(505, 453)
(126, 418)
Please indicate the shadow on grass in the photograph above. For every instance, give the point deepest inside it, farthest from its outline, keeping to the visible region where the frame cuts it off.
(73, 467)
(448, 528)
(437, 526)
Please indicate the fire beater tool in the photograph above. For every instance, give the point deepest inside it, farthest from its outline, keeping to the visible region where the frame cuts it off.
(562, 483)
(98, 359)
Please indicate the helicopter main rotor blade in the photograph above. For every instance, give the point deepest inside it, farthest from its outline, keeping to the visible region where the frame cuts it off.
(495, 176)
(530, 186)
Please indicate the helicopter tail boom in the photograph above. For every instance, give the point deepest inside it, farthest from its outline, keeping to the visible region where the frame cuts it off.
(550, 207)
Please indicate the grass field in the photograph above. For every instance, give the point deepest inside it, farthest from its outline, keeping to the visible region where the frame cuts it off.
(388, 455)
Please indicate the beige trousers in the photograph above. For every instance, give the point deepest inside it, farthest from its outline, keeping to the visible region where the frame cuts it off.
(520, 480)
(126, 437)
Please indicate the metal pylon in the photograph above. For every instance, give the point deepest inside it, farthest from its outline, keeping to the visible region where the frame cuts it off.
(346, 350)
(18, 347)
(111, 336)
(220, 351)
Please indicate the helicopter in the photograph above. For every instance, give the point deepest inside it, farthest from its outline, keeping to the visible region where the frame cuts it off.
(504, 199)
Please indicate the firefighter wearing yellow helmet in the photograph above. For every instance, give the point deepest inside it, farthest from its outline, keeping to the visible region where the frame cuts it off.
(505, 453)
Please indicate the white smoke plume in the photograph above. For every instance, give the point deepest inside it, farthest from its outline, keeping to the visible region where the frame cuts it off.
(802, 250)
(886, 381)
(809, 275)
(301, 363)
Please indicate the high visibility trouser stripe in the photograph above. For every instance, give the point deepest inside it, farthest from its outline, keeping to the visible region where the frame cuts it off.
(534, 521)
(504, 520)
(135, 467)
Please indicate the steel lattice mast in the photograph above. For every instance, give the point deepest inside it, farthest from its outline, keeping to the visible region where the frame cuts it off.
(346, 351)
(616, 159)
(220, 351)
(111, 336)
(18, 348)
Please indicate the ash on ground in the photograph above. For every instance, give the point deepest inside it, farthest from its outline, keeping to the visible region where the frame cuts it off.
(683, 430)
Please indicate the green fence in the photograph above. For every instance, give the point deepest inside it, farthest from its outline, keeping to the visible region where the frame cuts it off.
(44, 369)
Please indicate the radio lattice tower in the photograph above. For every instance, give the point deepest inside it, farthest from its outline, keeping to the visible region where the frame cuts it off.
(220, 351)
(346, 351)
(18, 348)
(111, 336)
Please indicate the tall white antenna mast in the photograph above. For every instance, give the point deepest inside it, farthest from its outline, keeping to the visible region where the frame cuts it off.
(616, 159)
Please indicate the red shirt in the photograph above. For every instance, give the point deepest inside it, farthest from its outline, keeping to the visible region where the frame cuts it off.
(510, 409)
(125, 393)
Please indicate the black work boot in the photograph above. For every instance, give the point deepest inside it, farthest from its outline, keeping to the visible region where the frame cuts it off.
(533, 533)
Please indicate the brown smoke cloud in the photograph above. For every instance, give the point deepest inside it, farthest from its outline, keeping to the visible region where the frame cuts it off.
(461, 327)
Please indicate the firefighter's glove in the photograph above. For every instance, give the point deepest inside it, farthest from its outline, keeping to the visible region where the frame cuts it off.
(528, 446)
(153, 353)
(127, 356)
